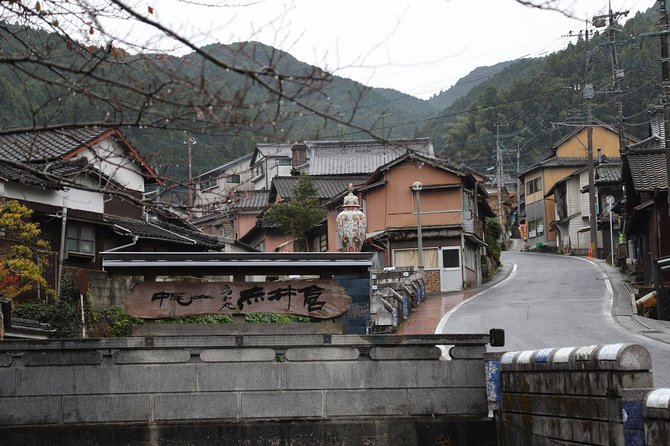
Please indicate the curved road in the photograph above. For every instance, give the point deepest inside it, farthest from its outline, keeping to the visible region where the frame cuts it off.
(552, 301)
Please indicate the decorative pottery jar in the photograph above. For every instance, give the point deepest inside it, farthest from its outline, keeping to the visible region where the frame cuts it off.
(351, 224)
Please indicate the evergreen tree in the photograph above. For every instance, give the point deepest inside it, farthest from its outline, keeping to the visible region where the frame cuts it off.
(298, 215)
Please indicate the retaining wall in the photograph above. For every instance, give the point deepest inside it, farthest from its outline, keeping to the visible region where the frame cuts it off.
(252, 389)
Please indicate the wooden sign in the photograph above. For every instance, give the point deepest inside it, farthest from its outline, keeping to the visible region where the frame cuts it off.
(321, 299)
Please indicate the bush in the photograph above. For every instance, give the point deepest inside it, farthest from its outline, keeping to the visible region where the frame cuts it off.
(493, 232)
(113, 322)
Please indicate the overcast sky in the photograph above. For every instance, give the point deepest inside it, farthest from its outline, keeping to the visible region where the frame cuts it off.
(419, 47)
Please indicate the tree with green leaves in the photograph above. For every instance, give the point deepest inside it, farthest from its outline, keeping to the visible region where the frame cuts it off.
(23, 253)
(297, 215)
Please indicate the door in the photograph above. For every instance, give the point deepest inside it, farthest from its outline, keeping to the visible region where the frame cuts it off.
(451, 274)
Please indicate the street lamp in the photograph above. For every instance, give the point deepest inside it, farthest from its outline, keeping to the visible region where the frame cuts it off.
(417, 186)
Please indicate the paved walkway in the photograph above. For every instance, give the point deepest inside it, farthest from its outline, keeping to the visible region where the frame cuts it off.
(425, 318)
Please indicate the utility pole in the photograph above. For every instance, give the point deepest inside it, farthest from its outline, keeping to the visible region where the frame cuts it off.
(609, 20)
(589, 94)
(499, 173)
(190, 141)
(518, 184)
(665, 85)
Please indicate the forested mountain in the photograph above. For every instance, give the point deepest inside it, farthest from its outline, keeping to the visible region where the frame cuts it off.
(463, 86)
(234, 112)
(537, 101)
(534, 101)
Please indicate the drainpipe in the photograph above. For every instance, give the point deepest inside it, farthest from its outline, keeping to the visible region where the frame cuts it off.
(62, 256)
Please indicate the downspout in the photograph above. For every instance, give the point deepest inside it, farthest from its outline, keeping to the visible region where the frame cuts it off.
(62, 255)
(134, 239)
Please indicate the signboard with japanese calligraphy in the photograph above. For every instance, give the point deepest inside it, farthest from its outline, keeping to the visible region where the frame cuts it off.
(321, 299)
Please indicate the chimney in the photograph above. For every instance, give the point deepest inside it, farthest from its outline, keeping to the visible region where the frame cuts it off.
(298, 155)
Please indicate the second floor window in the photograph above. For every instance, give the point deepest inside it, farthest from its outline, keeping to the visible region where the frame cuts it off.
(233, 179)
(81, 239)
(209, 183)
(534, 185)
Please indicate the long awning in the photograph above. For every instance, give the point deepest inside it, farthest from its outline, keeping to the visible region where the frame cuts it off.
(235, 263)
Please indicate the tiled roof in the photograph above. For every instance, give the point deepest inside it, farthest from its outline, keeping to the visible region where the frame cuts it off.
(556, 161)
(654, 142)
(250, 199)
(244, 159)
(46, 145)
(360, 157)
(648, 169)
(163, 231)
(271, 151)
(608, 174)
(327, 186)
(31, 175)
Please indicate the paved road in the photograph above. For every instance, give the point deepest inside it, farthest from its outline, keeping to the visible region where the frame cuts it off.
(552, 301)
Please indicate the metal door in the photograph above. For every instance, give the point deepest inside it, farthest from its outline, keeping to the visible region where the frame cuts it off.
(451, 273)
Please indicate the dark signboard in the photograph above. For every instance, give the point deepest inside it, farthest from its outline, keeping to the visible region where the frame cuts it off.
(322, 299)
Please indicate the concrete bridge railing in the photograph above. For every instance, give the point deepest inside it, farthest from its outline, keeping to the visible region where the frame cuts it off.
(151, 390)
(591, 395)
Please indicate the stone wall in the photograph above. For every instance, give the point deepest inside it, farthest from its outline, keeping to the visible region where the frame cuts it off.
(576, 395)
(657, 417)
(310, 389)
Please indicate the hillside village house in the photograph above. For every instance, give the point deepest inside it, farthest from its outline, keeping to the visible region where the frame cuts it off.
(214, 188)
(647, 224)
(567, 156)
(453, 210)
(382, 174)
(571, 223)
(85, 186)
(330, 164)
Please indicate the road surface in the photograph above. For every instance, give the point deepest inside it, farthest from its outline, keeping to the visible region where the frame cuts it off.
(552, 301)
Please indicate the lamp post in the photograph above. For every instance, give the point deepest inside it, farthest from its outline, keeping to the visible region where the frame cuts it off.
(417, 186)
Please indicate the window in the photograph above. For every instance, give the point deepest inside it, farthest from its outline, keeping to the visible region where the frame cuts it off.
(209, 183)
(451, 258)
(534, 185)
(536, 228)
(258, 171)
(284, 162)
(408, 257)
(233, 179)
(80, 239)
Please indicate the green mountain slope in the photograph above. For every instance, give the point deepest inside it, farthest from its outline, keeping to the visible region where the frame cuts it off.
(538, 101)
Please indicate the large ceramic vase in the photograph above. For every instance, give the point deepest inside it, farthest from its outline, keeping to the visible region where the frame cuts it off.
(351, 224)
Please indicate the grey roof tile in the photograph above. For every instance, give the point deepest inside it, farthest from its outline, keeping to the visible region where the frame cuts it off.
(163, 231)
(38, 174)
(608, 174)
(46, 145)
(327, 187)
(360, 157)
(648, 170)
(249, 199)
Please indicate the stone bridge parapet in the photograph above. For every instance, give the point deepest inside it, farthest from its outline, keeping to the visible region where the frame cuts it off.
(149, 385)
